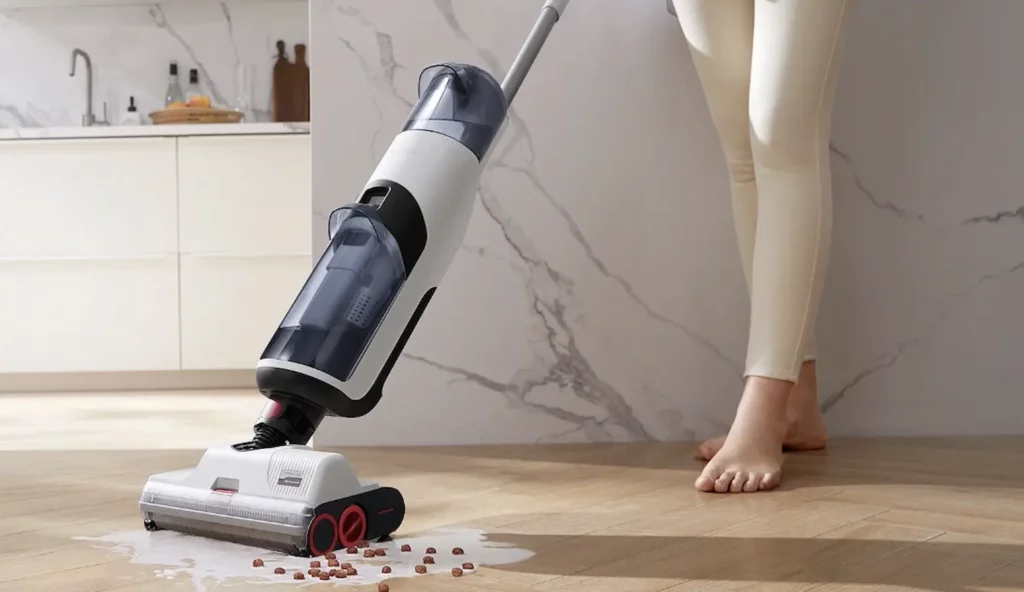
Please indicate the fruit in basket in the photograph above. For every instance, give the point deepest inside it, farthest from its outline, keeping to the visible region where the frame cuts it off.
(200, 102)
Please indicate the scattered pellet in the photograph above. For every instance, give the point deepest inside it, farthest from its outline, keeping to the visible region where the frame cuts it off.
(457, 572)
(458, 551)
(421, 569)
(351, 550)
(382, 587)
(352, 571)
(257, 563)
(406, 548)
(279, 570)
(313, 571)
(368, 553)
(431, 551)
(386, 569)
(314, 563)
(341, 575)
(345, 565)
(467, 566)
(380, 552)
(363, 544)
(324, 576)
(332, 563)
(428, 560)
(299, 576)
(330, 555)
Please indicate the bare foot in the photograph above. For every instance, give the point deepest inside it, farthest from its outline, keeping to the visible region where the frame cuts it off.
(751, 457)
(806, 429)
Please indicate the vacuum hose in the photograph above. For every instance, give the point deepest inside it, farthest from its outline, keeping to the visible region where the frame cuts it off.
(284, 420)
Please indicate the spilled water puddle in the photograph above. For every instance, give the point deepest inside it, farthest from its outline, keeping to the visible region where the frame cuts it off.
(204, 561)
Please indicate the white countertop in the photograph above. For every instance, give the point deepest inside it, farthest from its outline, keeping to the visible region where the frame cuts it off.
(152, 131)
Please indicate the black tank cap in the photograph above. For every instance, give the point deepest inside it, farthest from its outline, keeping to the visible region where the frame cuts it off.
(460, 101)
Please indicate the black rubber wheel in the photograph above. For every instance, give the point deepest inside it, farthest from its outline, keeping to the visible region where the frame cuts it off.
(323, 535)
(150, 525)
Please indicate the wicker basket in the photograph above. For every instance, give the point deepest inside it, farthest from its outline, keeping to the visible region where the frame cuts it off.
(194, 115)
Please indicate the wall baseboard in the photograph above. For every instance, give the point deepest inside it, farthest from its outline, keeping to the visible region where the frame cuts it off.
(127, 381)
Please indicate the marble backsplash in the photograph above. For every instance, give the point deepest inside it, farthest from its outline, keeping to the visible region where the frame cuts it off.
(131, 46)
(599, 296)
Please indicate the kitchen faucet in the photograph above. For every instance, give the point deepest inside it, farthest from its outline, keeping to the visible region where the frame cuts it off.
(88, 119)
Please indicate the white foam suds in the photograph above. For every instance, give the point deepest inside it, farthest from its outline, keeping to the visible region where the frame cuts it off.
(205, 561)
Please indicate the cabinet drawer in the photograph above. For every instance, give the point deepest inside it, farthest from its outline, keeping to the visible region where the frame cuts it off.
(245, 195)
(230, 306)
(81, 315)
(88, 198)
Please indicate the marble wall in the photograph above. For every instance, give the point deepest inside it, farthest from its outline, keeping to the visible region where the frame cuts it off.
(599, 296)
(131, 46)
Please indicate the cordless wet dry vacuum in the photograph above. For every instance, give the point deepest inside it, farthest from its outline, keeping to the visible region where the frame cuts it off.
(332, 353)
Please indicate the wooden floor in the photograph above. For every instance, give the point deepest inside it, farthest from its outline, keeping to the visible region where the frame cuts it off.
(942, 515)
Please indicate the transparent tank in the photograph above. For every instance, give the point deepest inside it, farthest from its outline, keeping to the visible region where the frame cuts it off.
(351, 289)
(462, 102)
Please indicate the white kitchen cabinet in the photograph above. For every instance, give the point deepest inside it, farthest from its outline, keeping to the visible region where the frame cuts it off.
(89, 315)
(230, 306)
(88, 199)
(88, 256)
(245, 195)
(246, 243)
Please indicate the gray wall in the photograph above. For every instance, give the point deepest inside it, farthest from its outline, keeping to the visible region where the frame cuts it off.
(599, 294)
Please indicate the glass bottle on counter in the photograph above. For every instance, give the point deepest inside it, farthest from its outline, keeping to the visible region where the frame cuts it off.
(174, 94)
(193, 91)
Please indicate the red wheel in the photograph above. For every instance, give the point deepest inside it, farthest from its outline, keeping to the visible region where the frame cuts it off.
(323, 535)
(352, 526)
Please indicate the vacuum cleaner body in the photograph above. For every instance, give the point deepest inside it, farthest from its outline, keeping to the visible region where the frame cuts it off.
(338, 343)
(388, 251)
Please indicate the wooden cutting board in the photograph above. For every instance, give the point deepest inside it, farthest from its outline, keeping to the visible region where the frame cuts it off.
(290, 92)
(301, 74)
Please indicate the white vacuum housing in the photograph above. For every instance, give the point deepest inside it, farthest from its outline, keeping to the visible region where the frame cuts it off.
(334, 350)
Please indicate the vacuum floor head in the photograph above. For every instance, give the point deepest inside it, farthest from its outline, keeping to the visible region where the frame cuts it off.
(289, 498)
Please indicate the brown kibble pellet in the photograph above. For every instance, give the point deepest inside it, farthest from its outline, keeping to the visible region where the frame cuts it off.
(458, 551)
(385, 569)
(406, 548)
(421, 569)
(380, 552)
(382, 587)
(257, 563)
(368, 553)
(313, 571)
(279, 571)
(330, 555)
(352, 571)
(363, 544)
(341, 575)
(332, 563)
(431, 551)
(346, 565)
(351, 550)
(456, 572)
(299, 576)
(428, 560)
(324, 576)
(467, 566)
(314, 564)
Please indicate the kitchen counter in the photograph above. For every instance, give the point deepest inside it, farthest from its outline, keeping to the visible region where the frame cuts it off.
(152, 131)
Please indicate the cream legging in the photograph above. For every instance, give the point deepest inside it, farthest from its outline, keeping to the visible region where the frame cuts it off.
(768, 70)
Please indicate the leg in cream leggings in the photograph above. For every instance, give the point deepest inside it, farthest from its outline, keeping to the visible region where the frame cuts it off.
(768, 70)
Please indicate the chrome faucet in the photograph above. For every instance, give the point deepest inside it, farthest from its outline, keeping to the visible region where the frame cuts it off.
(88, 118)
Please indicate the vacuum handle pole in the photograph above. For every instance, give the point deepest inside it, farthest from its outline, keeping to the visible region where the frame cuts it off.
(549, 15)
